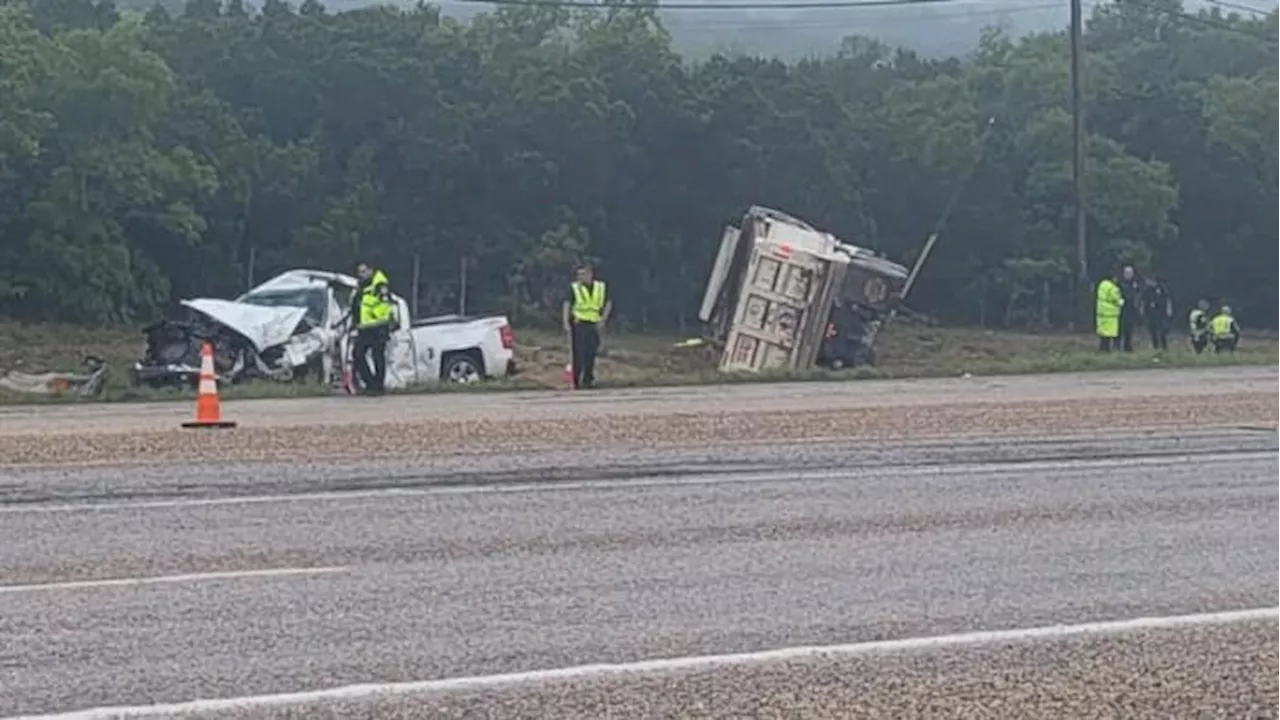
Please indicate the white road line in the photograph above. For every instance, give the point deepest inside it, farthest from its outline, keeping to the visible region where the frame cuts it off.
(669, 665)
(1003, 468)
(169, 579)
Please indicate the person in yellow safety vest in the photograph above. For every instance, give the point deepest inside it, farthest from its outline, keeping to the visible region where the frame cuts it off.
(585, 311)
(1224, 330)
(374, 311)
(1108, 305)
(1198, 326)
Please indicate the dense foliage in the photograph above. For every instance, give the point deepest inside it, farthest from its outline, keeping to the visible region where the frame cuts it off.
(148, 157)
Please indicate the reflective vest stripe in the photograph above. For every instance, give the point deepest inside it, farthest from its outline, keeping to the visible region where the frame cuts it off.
(588, 301)
(374, 311)
(1197, 321)
(1109, 299)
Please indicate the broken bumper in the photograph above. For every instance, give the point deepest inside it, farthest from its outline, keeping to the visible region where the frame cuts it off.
(164, 374)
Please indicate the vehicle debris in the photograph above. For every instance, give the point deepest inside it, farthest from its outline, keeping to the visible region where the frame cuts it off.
(783, 295)
(296, 326)
(87, 384)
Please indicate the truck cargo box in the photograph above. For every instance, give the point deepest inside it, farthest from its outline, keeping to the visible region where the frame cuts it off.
(772, 289)
(779, 319)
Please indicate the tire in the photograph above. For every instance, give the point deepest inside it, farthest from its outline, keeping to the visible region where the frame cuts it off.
(312, 372)
(177, 351)
(462, 368)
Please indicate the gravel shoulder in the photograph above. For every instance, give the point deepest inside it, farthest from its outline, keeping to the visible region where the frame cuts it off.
(1219, 672)
(425, 426)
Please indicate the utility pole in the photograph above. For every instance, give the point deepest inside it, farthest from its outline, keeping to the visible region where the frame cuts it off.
(462, 285)
(415, 284)
(248, 274)
(1078, 155)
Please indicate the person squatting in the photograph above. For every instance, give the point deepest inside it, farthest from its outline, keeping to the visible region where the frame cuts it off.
(1124, 299)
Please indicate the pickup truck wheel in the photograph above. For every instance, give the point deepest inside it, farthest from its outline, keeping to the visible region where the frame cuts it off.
(461, 368)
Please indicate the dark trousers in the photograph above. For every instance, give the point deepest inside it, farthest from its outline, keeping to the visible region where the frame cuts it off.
(1199, 342)
(1225, 344)
(1105, 343)
(1159, 329)
(1126, 331)
(371, 341)
(585, 338)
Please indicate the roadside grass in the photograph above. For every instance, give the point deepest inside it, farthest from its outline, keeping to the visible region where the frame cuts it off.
(905, 350)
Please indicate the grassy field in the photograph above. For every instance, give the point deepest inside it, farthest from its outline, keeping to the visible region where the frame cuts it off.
(905, 350)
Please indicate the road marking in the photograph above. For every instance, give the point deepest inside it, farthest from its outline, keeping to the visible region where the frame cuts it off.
(169, 579)
(692, 479)
(669, 665)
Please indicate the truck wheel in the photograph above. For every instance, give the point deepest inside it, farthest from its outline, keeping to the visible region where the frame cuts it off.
(461, 368)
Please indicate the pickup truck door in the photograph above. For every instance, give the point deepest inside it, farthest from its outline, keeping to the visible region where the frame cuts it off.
(403, 361)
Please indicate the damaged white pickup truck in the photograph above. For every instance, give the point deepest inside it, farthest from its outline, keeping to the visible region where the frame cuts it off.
(296, 326)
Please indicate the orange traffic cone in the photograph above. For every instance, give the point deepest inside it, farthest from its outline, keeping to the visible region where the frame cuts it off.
(208, 409)
(568, 376)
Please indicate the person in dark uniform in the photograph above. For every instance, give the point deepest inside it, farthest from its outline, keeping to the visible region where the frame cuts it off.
(373, 310)
(1157, 308)
(1131, 290)
(584, 314)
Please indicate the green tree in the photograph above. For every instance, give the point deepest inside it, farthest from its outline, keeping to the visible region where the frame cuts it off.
(153, 155)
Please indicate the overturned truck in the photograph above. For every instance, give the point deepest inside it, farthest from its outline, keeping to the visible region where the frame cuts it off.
(783, 295)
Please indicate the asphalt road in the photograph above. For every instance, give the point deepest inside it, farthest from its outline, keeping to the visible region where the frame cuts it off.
(111, 592)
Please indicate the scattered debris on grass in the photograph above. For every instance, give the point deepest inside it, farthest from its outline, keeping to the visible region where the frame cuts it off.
(629, 360)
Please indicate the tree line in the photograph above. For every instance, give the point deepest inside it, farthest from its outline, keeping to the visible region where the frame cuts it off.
(148, 157)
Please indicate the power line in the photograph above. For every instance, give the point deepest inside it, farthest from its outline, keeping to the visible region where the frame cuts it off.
(1241, 8)
(1200, 19)
(681, 5)
(685, 22)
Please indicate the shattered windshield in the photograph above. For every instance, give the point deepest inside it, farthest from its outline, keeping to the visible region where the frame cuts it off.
(314, 299)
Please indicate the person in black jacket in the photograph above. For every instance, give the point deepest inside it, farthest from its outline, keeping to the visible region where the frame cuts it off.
(1157, 308)
(1131, 289)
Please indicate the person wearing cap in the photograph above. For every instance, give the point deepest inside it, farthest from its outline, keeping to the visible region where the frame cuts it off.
(1224, 331)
